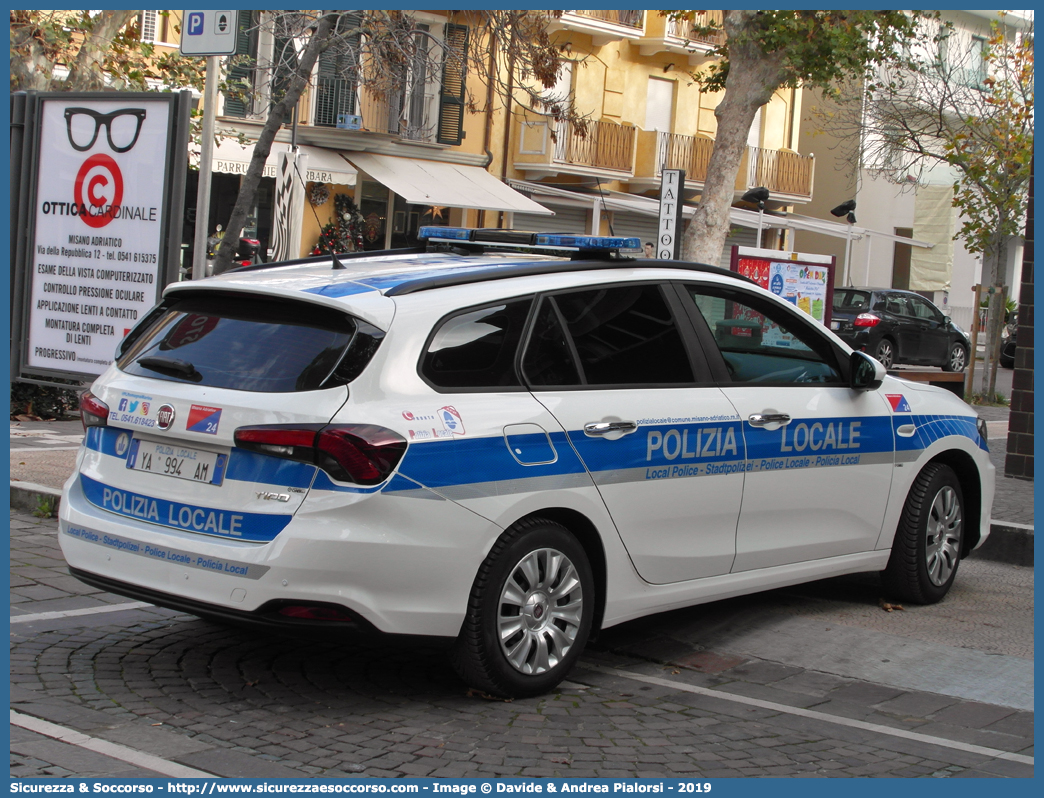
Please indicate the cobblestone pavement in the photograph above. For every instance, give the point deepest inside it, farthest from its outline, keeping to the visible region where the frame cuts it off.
(712, 691)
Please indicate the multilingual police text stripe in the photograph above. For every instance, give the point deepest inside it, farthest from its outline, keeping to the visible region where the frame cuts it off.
(238, 525)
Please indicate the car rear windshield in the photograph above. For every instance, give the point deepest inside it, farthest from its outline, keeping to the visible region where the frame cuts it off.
(847, 299)
(249, 343)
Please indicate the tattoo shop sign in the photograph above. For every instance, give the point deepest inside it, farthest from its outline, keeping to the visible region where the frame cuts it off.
(97, 248)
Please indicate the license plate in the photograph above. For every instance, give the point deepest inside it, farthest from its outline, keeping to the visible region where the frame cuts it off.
(835, 325)
(180, 462)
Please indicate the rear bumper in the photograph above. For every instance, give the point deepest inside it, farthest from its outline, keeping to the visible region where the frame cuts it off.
(400, 565)
(267, 616)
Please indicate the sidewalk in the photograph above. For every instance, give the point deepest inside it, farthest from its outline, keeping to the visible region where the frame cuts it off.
(43, 455)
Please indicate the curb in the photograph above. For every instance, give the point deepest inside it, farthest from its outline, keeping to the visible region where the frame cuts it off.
(1008, 542)
(27, 495)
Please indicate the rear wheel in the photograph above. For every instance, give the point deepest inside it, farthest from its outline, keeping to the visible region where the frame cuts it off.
(529, 614)
(957, 359)
(885, 353)
(927, 547)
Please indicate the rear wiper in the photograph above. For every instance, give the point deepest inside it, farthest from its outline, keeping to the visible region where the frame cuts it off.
(156, 363)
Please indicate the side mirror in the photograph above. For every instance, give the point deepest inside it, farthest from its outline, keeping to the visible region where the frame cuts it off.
(865, 373)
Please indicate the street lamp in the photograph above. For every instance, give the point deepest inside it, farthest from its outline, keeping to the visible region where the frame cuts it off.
(759, 196)
(846, 209)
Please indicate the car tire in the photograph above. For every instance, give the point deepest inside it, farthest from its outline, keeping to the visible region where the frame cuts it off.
(885, 353)
(529, 614)
(957, 359)
(1007, 357)
(927, 547)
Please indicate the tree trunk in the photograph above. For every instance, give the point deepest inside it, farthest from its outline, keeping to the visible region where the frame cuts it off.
(753, 76)
(248, 187)
(994, 321)
(85, 72)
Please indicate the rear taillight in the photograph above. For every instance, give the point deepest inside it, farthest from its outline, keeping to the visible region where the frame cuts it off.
(93, 411)
(361, 453)
(866, 320)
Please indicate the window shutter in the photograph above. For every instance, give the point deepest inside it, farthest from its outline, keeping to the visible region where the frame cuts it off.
(242, 74)
(451, 101)
(335, 94)
(148, 25)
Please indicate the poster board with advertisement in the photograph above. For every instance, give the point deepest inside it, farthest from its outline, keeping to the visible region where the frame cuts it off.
(804, 279)
(103, 203)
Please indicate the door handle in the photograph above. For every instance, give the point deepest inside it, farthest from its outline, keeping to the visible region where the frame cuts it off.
(762, 419)
(607, 427)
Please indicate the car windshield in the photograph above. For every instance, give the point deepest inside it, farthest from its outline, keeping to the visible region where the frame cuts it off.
(850, 300)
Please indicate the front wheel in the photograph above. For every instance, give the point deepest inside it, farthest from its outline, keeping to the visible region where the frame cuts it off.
(529, 614)
(927, 546)
(957, 359)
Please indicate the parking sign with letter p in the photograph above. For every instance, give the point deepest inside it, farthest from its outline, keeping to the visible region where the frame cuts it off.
(209, 32)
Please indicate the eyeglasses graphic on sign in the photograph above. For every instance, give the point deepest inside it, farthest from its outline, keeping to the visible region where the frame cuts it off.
(122, 127)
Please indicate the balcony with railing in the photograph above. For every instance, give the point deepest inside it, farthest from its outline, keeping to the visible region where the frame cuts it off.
(786, 174)
(548, 146)
(683, 36)
(412, 116)
(602, 26)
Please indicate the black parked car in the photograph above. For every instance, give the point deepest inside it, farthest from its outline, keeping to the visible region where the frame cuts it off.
(898, 327)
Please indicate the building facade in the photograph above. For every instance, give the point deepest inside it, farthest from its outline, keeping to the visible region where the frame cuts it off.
(421, 154)
(911, 221)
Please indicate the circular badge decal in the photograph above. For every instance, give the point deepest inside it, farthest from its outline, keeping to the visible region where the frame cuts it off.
(165, 417)
(98, 187)
(121, 444)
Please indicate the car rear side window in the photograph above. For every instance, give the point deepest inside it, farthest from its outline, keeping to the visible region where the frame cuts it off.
(850, 300)
(250, 343)
(476, 348)
(621, 335)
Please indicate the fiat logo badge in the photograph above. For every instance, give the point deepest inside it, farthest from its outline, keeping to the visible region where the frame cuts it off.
(165, 417)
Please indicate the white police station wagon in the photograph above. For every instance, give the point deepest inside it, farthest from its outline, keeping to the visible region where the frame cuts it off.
(510, 439)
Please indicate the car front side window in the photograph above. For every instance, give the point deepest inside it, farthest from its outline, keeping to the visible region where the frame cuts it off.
(761, 342)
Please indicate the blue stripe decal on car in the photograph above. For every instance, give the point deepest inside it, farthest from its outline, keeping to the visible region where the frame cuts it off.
(700, 449)
(931, 428)
(464, 461)
(243, 466)
(255, 527)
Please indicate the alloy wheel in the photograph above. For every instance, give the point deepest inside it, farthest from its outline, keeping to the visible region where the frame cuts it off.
(885, 354)
(943, 535)
(540, 609)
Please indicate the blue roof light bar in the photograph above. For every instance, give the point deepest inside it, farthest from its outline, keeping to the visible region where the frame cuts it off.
(519, 238)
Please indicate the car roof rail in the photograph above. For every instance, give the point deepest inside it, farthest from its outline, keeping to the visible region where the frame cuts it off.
(497, 272)
(320, 259)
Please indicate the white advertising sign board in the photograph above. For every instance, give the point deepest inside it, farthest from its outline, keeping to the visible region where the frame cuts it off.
(99, 232)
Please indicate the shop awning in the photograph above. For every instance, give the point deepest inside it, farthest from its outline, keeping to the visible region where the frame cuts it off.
(444, 184)
(321, 166)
